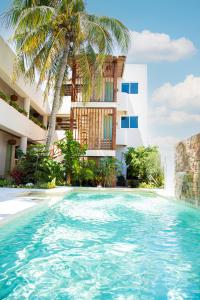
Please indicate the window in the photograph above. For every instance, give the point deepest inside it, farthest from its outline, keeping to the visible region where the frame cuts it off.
(129, 122)
(133, 122)
(130, 87)
(124, 122)
(108, 97)
(125, 88)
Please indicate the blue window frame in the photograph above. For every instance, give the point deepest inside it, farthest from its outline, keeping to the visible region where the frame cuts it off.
(124, 122)
(125, 88)
(134, 88)
(133, 122)
(130, 87)
(129, 122)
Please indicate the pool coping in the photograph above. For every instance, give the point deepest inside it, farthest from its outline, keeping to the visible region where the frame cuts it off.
(16, 201)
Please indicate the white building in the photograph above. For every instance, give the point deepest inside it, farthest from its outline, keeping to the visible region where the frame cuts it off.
(108, 125)
(131, 109)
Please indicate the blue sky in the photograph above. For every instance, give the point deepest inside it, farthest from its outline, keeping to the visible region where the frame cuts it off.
(166, 36)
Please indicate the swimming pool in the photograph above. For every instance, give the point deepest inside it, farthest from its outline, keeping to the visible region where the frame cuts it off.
(108, 245)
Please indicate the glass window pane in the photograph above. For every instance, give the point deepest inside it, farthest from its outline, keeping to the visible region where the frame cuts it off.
(108, 91)
(124, 122)
(134, 88)
(125, 88)
(133, 122)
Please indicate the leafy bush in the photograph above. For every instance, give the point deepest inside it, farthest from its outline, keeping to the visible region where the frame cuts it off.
(145, 185)
(17, 176)
(144, 165)
(121, 180)
(6, 182)
(47, 185)
(108, 169)
(84, 172)
(38, 167)
(72, 152)
(36, 121)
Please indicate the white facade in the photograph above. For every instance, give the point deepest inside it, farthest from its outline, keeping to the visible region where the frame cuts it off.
(132, 105)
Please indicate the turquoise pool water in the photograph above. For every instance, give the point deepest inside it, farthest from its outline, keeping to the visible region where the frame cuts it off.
(103, 246)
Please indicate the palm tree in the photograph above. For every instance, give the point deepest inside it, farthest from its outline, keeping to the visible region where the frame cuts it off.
(50, 34)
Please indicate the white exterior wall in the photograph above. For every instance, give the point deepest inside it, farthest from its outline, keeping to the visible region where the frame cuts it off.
(132, 105)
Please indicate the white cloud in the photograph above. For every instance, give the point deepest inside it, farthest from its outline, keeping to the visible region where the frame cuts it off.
(147, 46)
(163, 115)
(185, 94)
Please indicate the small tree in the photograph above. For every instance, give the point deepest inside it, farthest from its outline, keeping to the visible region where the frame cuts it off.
(72, 152)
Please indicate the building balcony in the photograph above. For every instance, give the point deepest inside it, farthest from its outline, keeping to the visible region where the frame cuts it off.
(15, 122)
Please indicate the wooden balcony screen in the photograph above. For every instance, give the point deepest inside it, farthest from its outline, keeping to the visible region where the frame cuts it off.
(112, 69)
(95, 127)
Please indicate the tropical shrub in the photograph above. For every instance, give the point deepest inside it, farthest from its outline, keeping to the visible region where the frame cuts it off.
(84, 172)
(108, 169)
(5, 182)
(72, 152)
(144, 165)
(47, 185)
(38, 167)
(17, 176)
(121, 180)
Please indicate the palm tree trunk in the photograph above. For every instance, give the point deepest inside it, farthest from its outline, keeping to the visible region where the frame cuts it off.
(56, 99)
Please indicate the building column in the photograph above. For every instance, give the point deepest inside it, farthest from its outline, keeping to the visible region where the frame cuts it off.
(27, 104)
(23, 144)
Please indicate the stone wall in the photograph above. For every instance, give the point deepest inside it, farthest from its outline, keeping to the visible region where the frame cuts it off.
(187, 171)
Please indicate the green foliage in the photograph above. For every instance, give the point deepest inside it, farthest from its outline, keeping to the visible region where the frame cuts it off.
(84, 173)
(18, 108)
(72, 152)
(12, 103)
(6, 182)
(109, 168)
(38, 167)
(144, 164)
(36, 121)
(4, 97)
(121, 180)
(47, 185)
(144, 185)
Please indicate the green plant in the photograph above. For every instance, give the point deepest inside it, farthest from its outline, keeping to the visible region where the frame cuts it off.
(144, 165)
(4, 182)
(36, 121)
(37, 166)
(4, 97)
(145, 185)
(84, 172)
(72, 152)
(108, 169)
(121, 180)
(47, 185)
(18, 108)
